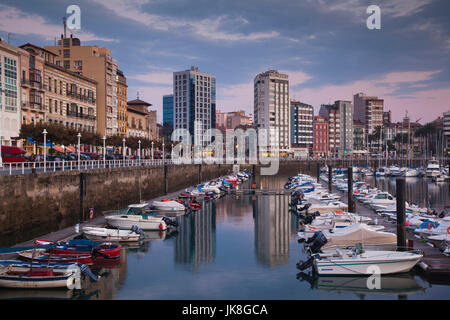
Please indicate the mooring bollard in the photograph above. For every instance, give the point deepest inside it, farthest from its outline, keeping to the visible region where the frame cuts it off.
(401, 218)
(350, 189)
(330, 178)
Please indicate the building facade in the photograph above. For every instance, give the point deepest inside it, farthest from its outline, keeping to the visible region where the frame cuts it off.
(346, 126)
(122, 89)
(321, 147)
(387, 117)
(10, 93)
(168, 115)
(369, 111)
(331, 114)
(194, 95)
(97, 64)
(446, 123)
(32, 85)
(272, 109)
(302, 126)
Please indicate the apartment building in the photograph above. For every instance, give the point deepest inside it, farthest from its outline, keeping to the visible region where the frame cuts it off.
(194, 98)
(122, 87)
(97, 64)
(320, 148)
(302, 126)
(272, 109)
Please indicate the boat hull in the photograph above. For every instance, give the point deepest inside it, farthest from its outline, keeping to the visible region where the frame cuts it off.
(127, 223)
(351, 267)
(24, 282)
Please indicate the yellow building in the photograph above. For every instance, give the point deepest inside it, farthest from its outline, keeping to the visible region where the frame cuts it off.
(97, 64)
(121, 104)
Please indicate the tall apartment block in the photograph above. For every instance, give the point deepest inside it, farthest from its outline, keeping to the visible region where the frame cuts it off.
(340, 118)
(320, 148)
(272, 109)
(194, 101)
(369, 111)
(302, 126)
(97, 64)
(10, 82)
(122, 89)
(168, 115)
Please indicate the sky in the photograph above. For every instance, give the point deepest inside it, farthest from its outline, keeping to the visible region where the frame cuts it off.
(324, 46)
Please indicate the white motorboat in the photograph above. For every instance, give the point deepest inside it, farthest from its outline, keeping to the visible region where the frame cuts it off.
(381, 172)
(440, 240)
(443, 228)
(104, 234)
(137, 215)
(37, 278)
(360, 262)
(381, 200)
(168, 205)
(433, 169)
(410, 172)
(395, 171)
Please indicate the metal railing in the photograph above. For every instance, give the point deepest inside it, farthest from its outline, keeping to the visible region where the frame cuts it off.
(71, 165)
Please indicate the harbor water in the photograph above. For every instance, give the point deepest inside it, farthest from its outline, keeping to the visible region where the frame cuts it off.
(242, 247)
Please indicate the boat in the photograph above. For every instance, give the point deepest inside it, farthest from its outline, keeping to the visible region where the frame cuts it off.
(354, 234)
(41, 255)
(439, 240)
(410, 172)
(361, 262)
(82, 247)
(168, 205)
(36, 278)
(395, 171)
(433, 169)
(141, 216)
(433, 228)
(114, 235)
(381, 200)
(381, 172)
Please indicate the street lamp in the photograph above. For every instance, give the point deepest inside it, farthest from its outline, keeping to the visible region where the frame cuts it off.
(164, 155)
(139, 151)
(104, 151)
(79, 137)
(123, 149)
(45, 149)
(152, 151)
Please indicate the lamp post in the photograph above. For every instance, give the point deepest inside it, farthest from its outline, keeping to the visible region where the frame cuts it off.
(152, 151)
(79, 137)
(164, 155)
(171, 153)
(45, 149)
(139, 151)
(104, 151)
(123, 150)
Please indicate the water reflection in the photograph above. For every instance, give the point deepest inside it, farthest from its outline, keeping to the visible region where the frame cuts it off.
(418, 190)
(195, 243)
(272, 229)
(400, 284)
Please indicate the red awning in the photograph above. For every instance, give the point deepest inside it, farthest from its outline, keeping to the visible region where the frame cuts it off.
(70, 149)
(59, 148)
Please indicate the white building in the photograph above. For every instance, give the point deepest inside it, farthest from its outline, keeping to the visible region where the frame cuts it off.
(9, 92)
(446, 122)
(272, 109)
(194, 102)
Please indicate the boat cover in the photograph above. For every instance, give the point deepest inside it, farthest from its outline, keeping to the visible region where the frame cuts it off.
(359, 233)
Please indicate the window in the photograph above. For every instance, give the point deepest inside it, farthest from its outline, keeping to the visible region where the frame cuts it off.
(66, 64)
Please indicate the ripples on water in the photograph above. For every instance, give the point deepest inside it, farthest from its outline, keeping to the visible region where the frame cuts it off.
(240, 247)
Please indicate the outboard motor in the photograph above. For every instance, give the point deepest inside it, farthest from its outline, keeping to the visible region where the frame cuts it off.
(137, 230)
(85, 270)
(308, 219)
(316, 242)
(305, 207)
(305, 264)
(170, 222)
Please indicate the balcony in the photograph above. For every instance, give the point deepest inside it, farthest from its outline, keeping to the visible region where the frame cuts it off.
(81, 116)
(80, 97)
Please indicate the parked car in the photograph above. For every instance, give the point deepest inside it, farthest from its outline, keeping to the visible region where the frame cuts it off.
(93, 155)
(13, 154)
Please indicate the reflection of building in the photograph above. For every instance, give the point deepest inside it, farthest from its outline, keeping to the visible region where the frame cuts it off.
(272, 230)
(195, 243)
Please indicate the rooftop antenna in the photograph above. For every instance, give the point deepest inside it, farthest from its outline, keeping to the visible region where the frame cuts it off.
(65, 25)
(137, 95)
